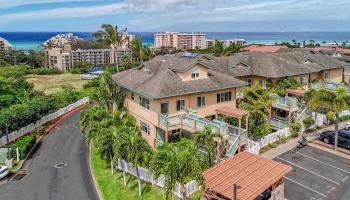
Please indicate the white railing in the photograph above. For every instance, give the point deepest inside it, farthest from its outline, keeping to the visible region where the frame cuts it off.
(273, 137)
(147, 175)
(344, 113)
(253, 147)
(31, 127)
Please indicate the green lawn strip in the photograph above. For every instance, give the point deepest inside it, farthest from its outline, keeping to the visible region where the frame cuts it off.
(112, 187)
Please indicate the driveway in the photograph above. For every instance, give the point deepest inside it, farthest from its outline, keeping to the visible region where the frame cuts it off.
(44, 179)
(316, 175)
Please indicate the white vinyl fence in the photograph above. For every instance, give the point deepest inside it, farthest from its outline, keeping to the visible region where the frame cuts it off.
(147, 175)
(253, 147)
(31, 127)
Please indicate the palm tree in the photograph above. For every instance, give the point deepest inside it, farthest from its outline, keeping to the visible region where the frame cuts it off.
(91, 115)
(258, 102)
(126, 62)
(177, 162)
(219, 49)
(104, 143)
(110, 94)
(136, 49)
(331, 101)
(205, 139)
(110, 35)
(137, 150)
(232, 49)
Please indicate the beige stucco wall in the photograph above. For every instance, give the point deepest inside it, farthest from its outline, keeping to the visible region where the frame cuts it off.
(336, 75)
(347, 75)
(187, 75)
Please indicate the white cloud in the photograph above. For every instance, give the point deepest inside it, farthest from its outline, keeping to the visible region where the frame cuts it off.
(59, 13)
(14, 3)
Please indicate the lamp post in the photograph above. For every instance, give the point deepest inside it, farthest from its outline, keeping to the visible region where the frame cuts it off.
(7, 138)
(235, 188)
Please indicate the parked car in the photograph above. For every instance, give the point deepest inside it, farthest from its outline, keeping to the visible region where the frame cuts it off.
(343, 138)
(347, 126)
(4, 171)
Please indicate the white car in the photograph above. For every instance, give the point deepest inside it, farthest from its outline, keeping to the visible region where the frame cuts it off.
(347, 126)
(4, 171)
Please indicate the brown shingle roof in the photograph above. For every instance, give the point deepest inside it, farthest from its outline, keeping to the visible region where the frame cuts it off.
(254, 174)
(160, 80)
(275, 65)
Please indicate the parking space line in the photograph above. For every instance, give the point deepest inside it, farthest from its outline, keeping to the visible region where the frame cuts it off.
(323, 162)
(291, 180)
(308, 170)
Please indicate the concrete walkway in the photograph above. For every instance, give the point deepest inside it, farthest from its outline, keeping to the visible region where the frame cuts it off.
(273, 153)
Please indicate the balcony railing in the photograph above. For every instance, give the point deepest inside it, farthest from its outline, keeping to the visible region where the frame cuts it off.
(315, 85)
(284, 102)
(279, 122)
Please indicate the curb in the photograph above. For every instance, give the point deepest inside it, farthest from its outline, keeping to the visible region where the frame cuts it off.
(339, 149)
(98, 191)
(49, 129)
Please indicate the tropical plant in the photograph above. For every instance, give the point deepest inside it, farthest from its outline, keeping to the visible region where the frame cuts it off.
(205, 138)
(178, 163)
(295, 129)
(136, 150)
(308, 122)
(258, 102)
(326, 101)
(219, 48)
(136, 49)
(110, 94)
(110, 35)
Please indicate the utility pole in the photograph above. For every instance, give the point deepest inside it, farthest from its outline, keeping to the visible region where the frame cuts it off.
(7, 138)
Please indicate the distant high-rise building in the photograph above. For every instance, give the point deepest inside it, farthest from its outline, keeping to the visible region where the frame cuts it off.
(182, 41)
(4, 44)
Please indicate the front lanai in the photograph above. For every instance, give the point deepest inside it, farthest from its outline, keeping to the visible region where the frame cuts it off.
(232, 139)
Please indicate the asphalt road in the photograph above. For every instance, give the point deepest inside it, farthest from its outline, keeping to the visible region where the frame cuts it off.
(316, 175)
(46, 182)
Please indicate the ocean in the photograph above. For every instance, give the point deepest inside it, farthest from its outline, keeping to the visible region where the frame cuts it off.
(33, 40)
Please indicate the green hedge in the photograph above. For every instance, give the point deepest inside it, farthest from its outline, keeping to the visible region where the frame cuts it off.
(24, 144)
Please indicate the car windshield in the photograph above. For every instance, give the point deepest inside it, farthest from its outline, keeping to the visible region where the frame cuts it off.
(2, 170)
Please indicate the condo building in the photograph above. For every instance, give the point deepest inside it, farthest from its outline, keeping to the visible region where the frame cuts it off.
(182, 41)
(172, 96)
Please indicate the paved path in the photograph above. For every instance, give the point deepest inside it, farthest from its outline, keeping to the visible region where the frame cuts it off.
(272, 153)
(45, 182)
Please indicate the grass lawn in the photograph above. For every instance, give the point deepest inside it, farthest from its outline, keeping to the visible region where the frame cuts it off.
(112, 186)
(51, 84)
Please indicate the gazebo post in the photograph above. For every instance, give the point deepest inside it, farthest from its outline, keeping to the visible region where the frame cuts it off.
(166, 135)
(289, 115)
(217, 149)
(246, 130)
(239, 134)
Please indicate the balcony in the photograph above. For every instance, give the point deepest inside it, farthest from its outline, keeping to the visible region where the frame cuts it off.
(285, 103)
(315, 85)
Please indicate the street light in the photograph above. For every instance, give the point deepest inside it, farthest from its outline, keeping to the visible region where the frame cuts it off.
(235, 188)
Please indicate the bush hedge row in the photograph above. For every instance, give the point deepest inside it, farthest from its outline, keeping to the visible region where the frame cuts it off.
(24, 144)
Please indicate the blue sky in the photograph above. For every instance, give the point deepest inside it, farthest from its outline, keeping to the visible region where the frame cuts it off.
(176, 15)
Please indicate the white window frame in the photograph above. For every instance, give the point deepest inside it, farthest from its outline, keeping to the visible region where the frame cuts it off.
(195, 73)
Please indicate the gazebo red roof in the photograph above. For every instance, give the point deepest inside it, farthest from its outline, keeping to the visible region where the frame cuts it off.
(252, 173)
(231, 111)
(298, 92)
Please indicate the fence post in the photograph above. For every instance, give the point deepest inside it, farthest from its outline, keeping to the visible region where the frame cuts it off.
(17, 153)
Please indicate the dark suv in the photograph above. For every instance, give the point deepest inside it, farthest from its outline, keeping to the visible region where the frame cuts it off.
(343, 138)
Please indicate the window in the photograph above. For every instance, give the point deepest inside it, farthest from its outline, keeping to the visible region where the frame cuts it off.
(180, 104)
(201, 101)
(144, 102)
(145, 127)
(164, 107)
(326, 75)
(249, 82)
(222, 97)
(132, 96)
(195, 73)
(302, 79)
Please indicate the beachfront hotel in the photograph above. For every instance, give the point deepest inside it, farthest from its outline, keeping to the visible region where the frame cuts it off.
(58, 52)
(184, 41)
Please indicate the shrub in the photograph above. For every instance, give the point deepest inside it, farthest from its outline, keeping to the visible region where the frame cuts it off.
(331, 116)
(24, 144)
(40, 130)
(308, 122)
(345, 118)
(295, 129)
(13, 71)
(46, 71)
(282, 139)
(272, 145)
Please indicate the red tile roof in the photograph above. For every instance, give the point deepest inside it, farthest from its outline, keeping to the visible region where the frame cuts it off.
(264, 48)
(298, 92)
(254, 174)
(231, 111)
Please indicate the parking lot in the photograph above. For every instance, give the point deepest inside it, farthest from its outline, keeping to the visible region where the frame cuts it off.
(316, 175)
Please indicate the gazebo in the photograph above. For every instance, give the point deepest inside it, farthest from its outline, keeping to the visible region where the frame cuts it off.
(246, 176)
(237, 114)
